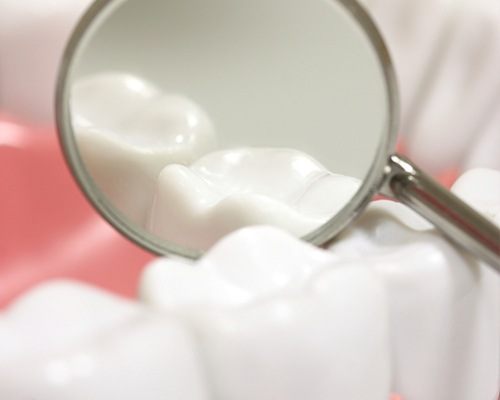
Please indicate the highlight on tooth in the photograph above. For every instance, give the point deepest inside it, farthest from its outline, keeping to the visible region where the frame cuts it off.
(197, 205)
(155, 157)
(127, 130)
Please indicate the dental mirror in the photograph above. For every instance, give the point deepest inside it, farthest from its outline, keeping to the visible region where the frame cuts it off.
(183, 120)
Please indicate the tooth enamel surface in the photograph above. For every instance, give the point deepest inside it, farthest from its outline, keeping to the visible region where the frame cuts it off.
(302, 330)
(127, 131)
(223, 191)
(32, 37)
(444, 308)
(68, 341)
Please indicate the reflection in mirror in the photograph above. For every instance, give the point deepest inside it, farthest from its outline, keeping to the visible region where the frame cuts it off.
(228, 114)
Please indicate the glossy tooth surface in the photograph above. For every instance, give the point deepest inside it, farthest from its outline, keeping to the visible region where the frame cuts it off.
(300, 327)
(128, 131)
(443, 305)
(65, 340)
(223, 191)
(32, 37)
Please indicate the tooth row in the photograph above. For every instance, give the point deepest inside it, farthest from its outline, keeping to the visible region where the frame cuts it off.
(264, 315)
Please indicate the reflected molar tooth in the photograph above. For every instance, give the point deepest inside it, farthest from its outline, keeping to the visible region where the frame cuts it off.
(128, 131)
(306, 331)
(33, 34)
(443, 306)
(229, 189)
(68, 341)
(107, 100)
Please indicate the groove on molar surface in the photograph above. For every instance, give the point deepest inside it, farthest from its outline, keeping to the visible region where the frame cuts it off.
(127, 131)
(304, 329)
(225, 190)
(443, 306)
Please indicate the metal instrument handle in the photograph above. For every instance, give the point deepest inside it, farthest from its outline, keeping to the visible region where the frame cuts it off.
(458, 221)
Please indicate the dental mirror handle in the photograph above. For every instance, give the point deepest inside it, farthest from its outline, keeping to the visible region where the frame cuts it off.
(459, 222)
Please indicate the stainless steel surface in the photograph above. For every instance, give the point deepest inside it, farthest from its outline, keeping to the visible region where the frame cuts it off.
(459, 222)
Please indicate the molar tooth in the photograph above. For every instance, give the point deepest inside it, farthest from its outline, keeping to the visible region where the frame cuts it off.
(230, 189)
(65, 340)
(128, 131)
(443, 306)
(317, 344)
(216, 282)
(307, 331)
(106, 101)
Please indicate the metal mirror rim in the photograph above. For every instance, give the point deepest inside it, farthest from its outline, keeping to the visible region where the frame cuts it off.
(370, 186)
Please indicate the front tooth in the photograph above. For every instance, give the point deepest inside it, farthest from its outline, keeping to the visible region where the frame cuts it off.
(68, 341)
(443, 306)
(128, 131)
(229, 189)
(302, 330)
(32, 38)
(217, 282)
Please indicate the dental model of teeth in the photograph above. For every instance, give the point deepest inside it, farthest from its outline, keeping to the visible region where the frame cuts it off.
(392, 307)
(152, 155)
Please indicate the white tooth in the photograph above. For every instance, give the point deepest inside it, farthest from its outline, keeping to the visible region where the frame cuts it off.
(480, 188)
(484, 153)
(32, 38)
(304, 330)
(229, 189)
(319, 344)
(444, 306)
(68, 341)
(215, 282)
(127, 132)
(107, 101)
(444, 310)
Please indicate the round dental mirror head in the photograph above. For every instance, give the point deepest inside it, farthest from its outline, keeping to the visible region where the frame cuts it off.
(184, 120)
